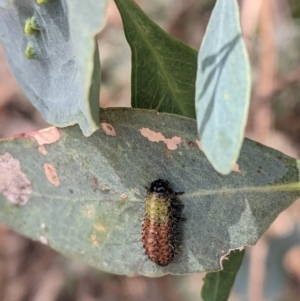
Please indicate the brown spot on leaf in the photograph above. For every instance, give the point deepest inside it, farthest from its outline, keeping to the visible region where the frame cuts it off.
(152, 136)
(95, 181)
(191, 144)
(14, 184)
(51, 174)
(108, 129)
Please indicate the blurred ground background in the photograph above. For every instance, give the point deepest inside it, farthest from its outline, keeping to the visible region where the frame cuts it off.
(271, 269)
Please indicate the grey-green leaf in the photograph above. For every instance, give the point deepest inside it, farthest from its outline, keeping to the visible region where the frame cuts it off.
(222, 87)
(61, 73)
(163, 69)
(217, 286)
(87, 198)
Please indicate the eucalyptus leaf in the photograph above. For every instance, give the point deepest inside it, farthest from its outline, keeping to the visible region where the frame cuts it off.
(60, 72)
(222, 87)
(163, 69)
(217, 286)
(87, 198)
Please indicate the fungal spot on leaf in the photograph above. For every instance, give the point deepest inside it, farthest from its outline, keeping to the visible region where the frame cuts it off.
(123, 196)
(105, 188)
(51, 174)
(43, 240)
(108, 129)
(95, 181)
(14, 184)
(153, 136)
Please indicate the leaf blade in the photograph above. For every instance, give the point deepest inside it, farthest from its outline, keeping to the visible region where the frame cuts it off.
(163, 69)
(222, 87)
(217, 286)
(95, 213)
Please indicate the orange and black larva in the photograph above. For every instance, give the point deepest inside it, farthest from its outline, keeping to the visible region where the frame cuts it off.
(161, 233)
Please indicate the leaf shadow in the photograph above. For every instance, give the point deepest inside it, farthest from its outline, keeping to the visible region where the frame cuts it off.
(217, 69)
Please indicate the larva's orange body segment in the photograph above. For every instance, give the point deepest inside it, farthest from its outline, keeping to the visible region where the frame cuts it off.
(157, 244)
(161, 234)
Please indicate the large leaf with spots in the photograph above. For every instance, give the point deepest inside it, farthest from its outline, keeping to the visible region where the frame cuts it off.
(86, 195)
(60, 72)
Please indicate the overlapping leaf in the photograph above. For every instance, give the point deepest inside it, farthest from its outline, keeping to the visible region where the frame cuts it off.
(61, 73)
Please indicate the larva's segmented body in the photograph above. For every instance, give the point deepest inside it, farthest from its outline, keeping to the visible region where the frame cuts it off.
(161, 227)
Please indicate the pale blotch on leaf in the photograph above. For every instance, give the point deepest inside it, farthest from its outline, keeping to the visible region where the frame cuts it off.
(105, 188)
(46, 136)
(51, 174)
(108, 129)
(14, 184)
(99, 227)
(43, 240)
(42, 150)
(89, 211)
(94, 240)
(42, 137)
(153, 136)
(123, 196)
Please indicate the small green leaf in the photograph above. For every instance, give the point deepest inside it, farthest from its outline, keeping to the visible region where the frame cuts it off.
(163, 68)
(86, 195)
(222, 87)
(217, 286)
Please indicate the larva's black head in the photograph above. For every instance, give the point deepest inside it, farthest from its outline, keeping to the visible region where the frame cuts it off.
(159, 186)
